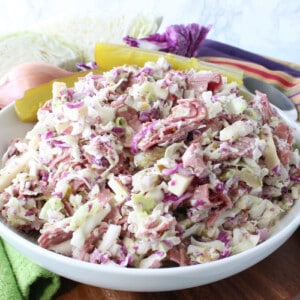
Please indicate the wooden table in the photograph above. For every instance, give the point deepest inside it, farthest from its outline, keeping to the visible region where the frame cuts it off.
(276, 277)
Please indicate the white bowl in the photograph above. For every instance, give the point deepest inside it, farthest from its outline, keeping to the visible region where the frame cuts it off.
(120, 278)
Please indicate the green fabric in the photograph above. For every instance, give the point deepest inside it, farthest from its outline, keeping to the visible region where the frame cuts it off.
(20, 278)
(8, 287)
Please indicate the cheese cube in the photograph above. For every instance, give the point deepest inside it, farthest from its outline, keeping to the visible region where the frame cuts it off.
(179, 183)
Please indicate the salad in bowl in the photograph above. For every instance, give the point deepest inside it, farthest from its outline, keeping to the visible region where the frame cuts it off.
(150, 167)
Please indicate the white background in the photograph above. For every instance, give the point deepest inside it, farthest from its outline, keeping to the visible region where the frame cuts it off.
(268, 27)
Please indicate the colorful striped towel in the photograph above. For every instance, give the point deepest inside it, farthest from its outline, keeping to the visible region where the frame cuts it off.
(283, 75)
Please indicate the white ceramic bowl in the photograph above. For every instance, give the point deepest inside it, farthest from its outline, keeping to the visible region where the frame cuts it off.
(120, 278)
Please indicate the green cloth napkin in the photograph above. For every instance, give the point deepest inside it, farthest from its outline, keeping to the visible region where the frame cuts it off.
(20, 278)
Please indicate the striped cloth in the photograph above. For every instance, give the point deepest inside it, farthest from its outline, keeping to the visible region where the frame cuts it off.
(283, 75)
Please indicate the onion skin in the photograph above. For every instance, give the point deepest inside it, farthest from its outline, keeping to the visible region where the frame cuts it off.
(25, 76)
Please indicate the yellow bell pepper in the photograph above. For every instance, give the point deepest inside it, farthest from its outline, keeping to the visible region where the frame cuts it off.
(109, 56)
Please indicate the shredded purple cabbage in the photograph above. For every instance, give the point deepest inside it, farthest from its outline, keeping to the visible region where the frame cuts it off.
(87, 66)
(182, 40)
(75, 104)
(146, 116)
(138, 136)
(223, 237)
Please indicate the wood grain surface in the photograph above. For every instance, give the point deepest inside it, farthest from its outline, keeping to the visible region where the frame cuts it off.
(276, 277)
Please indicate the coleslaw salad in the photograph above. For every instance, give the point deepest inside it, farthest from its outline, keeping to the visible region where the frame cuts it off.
(150, 167)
